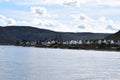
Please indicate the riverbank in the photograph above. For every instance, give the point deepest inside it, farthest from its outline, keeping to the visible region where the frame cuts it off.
(73, 47)
(70, 48)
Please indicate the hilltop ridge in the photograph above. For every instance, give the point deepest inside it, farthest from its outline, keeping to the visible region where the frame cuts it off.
(115, 36)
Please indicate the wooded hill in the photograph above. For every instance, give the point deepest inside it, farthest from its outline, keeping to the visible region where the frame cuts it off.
(11, 34)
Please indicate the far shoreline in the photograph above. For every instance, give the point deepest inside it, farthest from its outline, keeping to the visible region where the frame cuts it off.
(64, 48)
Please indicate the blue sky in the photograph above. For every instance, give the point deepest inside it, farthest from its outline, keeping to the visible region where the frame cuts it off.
(101, 16)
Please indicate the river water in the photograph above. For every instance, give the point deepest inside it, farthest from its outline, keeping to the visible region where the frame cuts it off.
(29, 63)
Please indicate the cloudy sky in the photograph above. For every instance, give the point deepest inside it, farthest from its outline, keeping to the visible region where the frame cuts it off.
(101, 16)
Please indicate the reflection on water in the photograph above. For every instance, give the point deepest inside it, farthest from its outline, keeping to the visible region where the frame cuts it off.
(22, 63)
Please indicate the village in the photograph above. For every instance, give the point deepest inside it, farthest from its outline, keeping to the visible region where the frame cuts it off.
(74, 44)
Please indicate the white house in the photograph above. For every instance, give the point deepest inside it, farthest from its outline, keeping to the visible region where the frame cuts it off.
(88, 42)
(112, 42)
(73, 42)
(99, 41)
(27, 43)
(65, 42)
(49, 43)
(52, 42)
(80, 42)
(105, 42)
(118, 42)
(33, 43)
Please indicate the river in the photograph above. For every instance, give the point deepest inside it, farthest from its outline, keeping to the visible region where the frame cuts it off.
(30, 63)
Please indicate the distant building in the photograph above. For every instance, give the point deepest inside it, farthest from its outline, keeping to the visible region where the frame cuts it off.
(112, 42)
(99, 41)
(105, 42)
(88, 42)
(73, 42)
(118, 42)
(65, 42)
(80, 42)
(33, 43)
(53, 42)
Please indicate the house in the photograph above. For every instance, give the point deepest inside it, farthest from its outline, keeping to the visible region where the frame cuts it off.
(65, 43)
(105, 42)
(33, 43)
(53, 42)
(118, 42)
(112, 42)
(27, 43)
(99, 42)
(73, 42)
(88, 42)
(80, 42)
(48, 43)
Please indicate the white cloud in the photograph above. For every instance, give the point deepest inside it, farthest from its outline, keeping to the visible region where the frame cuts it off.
(40, 11)
(102, 19)
(11, 21)
(50, 24)
(82, 26)
(74, 2)
(4, 21)
(95, 25)
(110, 27)
(45, 2)
(22, 23)
(45, 22)
(82, 18)
(2, 17)
(39, 2)
(68, 2)
(108, 2)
